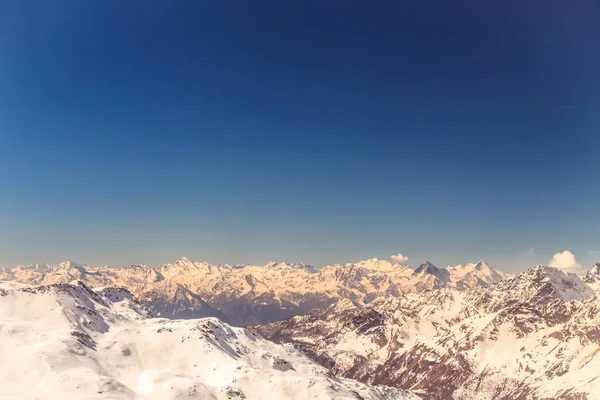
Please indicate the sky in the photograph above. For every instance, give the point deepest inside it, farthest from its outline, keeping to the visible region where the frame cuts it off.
(246, 131)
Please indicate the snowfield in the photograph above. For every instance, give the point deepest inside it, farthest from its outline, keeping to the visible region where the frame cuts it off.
(66, 341)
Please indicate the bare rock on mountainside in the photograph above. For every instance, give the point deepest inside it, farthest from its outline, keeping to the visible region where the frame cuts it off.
(532, 336)
(67, 341)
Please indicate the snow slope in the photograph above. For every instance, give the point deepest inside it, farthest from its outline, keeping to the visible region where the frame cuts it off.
(66, 341)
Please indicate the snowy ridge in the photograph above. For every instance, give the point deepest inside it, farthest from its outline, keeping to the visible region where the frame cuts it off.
(67, 341)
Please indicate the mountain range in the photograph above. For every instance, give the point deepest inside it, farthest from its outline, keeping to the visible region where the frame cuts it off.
(367, 330)
(250, 295)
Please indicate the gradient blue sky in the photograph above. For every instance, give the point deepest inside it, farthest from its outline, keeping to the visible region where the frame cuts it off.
(318, 131)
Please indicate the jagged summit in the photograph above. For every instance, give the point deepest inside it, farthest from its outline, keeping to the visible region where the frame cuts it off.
(481, 265)
(182, 261)
(426, 267)
(592, 277)
(595, 270)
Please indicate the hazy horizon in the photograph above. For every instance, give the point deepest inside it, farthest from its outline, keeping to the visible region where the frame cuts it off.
(564, 260)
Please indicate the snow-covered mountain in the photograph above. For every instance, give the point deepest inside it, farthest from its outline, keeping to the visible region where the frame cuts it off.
(475, 275)
(463, 332)
(592, 277)
(67, 341)
(531, 336)
(247, 294)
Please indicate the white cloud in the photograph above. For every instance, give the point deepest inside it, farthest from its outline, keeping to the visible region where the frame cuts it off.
(399, 258)
(565, 261)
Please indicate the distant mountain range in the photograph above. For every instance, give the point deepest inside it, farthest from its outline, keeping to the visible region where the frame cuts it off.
(244, 295)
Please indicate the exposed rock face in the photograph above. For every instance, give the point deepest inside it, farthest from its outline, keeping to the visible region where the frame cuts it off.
(535, 335)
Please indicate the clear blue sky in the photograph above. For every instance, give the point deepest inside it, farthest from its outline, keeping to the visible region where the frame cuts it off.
(319, 131)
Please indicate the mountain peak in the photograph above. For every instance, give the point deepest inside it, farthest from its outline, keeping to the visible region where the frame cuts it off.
(182, 264)
(427, 268)
(442, 276)
(544, 280)
(481, 265)
(68, 264)
(595, 270)
(592, 277)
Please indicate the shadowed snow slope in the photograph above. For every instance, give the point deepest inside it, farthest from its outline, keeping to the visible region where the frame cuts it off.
(66, 341)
